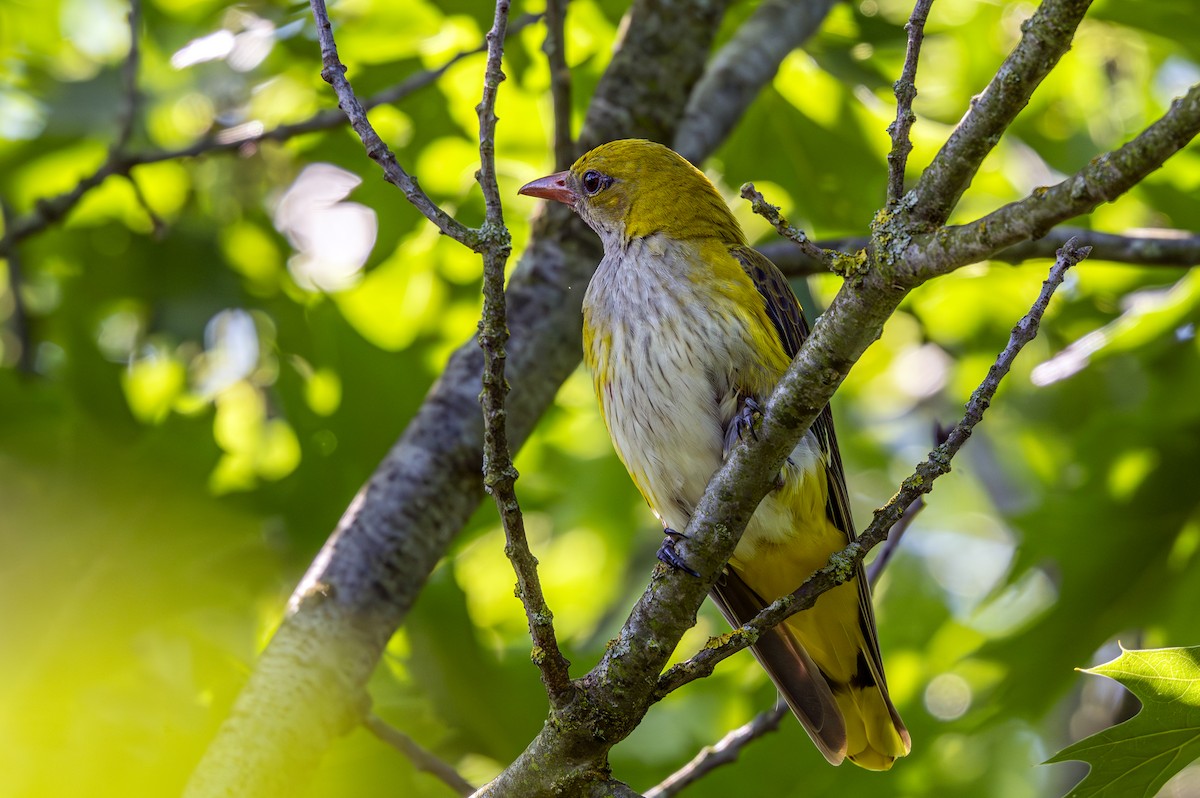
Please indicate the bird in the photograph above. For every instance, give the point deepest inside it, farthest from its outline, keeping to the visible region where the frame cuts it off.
(686, 331)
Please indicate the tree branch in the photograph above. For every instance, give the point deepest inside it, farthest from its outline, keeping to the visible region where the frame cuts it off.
(741, 68)
(499, 474)
(555, 49)
(843, 565)
(422, 759)
(1045, 37)
(334, 73)
(1104, 179)
(906, 91)
(724, 752)
(1171, 248)
(51, 210)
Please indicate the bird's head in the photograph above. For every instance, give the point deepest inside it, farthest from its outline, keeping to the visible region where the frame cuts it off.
(632, 188)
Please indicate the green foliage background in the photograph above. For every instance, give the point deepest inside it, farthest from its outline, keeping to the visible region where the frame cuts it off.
(157, 504)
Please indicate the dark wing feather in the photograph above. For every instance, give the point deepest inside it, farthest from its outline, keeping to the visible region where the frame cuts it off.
(796, 676)
(786, 315)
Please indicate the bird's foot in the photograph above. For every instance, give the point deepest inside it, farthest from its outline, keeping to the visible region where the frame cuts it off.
(668, 555)
(747, 414)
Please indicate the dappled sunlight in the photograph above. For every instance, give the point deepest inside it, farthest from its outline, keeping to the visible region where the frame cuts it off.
(332, 238)
(204, 358)
(948, 696)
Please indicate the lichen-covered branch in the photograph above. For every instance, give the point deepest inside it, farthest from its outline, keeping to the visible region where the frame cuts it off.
(1045, 37)
(1171, 248)
(1104, 179)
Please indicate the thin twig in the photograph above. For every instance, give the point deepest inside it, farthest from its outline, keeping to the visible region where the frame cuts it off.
(771, 213)
(334, 73)
(20, 318)
(724, 752)
(1172, 249)
(499, 475)
(889, 547)
(129, 78)
(893, 541)
(422, 759)
(843, 565)
(156, 222)
(50, 210)
(906, 91)
(560, 82)
(493, 76)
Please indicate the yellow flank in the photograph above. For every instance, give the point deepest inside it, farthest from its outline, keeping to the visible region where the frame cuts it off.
(682, 325)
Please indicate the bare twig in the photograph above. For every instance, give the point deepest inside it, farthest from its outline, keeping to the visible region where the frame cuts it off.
(906, 92)
(724, 752)
(422, 759)
(50, 210)
(893, 541)
(560, 82)
(492, 77)
(771, 213)
(1046, 36)
(129, 77)
(334, 73)
(499, 474)
(20, 319)
(156, 223)
(843, 565)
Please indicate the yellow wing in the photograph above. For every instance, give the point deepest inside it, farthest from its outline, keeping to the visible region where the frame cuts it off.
(851, 714)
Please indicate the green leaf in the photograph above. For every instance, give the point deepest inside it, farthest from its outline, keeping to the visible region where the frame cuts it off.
(1137, 757)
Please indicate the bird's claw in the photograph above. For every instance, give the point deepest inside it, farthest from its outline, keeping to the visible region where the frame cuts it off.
(668, 555)
(743, 422)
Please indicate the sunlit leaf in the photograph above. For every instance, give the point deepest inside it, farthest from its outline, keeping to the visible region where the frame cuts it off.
(1137, 757)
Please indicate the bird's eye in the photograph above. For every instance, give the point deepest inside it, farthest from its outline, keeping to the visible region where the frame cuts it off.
(594, 182)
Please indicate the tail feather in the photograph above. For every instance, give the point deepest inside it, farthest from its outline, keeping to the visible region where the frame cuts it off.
(852, 719)
(875, 735)
(795, 675)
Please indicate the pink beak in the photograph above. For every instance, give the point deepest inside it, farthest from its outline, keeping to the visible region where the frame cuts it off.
(551, 187)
